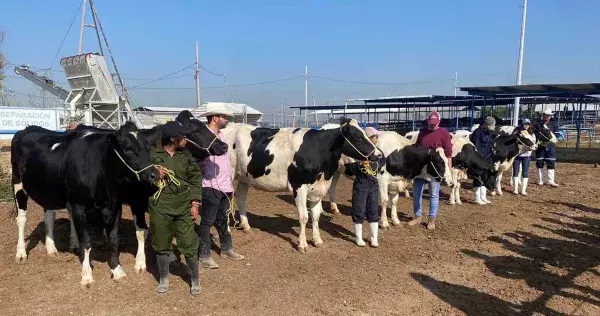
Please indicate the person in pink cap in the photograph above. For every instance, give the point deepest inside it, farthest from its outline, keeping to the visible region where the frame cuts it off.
(432, 137)
(365, 193)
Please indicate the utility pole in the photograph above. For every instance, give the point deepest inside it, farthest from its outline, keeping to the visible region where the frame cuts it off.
(517, 107)
(82, 26)
(197, 77)
(316, 115)
(306, 96)
(455, 84)
(225, 87)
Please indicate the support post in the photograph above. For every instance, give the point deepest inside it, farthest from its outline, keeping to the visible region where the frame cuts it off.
(197, 76)
(517, 107)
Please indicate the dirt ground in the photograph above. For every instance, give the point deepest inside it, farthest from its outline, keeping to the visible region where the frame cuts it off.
(534, 255)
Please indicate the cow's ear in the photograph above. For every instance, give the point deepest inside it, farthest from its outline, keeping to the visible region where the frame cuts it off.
(344, 120)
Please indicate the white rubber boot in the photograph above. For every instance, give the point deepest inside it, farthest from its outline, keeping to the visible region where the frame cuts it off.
(541, 176)
(551, 178)
(484, 196)
(359, 239)
(524, 187)
(516, 185)
(478, 196)
(374, 232)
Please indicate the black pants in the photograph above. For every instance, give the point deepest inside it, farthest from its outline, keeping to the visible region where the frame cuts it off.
(365, 200)
(545, 155)
(215, 205)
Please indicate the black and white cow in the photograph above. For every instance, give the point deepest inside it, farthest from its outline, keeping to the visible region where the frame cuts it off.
(392, 184)
(506, 149)
(301, 161)
(201, 143)
(83, 175)
(467, 163)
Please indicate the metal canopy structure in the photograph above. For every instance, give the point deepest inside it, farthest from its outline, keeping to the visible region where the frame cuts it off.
(564, 90)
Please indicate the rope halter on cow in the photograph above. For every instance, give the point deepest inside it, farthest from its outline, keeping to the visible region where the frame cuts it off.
(358, 151)
(137, 173)
(434, 168)
(203, 148)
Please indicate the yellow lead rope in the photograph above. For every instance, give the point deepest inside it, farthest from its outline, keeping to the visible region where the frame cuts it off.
(162, 183)
(368, 170)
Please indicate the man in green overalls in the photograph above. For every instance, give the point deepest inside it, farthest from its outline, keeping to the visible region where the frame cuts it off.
(173, 208)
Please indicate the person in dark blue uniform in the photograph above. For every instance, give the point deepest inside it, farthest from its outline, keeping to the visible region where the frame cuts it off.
(365, 193)
(546, 152)
(482, 138)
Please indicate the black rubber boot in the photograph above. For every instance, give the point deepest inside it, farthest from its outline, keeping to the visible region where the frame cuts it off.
(192, 263)
(163, 272)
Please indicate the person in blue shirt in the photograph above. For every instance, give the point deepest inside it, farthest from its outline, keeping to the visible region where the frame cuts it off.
(482, 138)
(546, 152)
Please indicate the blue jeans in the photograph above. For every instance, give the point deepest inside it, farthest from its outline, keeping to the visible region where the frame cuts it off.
(521, 161)
(434, 197)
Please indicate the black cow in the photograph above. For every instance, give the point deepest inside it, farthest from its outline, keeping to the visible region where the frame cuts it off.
(506, 148)
(201, 143)
(81, 174)
(467, 163)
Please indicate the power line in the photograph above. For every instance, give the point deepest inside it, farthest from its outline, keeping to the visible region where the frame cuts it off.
(211, 72)
(65, 37)
(31, 95)
(221, 87)
(163, 77)
(383, 83)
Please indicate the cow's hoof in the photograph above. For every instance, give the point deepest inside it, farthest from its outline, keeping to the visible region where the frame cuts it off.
(302, 249)
(21, 258)
(452, 203)
(53, 253)
(118, 273)
(140, 267)
(459, 202)
(319, 244)
(247, 229)
(385, 226)
(493, 193)
(86, 278)
(396, 222)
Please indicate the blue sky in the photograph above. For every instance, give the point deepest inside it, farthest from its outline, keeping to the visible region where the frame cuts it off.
(363, 41)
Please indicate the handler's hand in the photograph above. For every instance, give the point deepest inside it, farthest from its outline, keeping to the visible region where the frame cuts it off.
(162, 172)
(195, 212)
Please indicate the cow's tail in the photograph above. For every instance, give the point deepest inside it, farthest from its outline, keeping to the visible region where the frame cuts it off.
(16, 177)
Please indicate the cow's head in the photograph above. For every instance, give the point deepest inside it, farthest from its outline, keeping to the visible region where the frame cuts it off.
(132, 154)
(545, 135)
(437, 167)
(526, 141)
(202, 142)
(356, 143)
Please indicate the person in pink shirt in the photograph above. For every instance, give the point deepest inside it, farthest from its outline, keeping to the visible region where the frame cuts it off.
(217, 192)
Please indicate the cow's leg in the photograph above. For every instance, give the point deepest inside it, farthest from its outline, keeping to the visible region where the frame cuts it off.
(300, 198)
(384, 200)
(453, 192)
(240, 195)
(78, 215)
(456, 187)
(49, 217)
(21, 204)
(112, 231)
(73, 240)
(315, 209)
(332, 200)
(498, 184)
(141, 232)
(394, 209)
(406, 194)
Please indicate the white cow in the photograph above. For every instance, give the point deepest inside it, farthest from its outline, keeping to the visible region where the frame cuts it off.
(301, 161)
